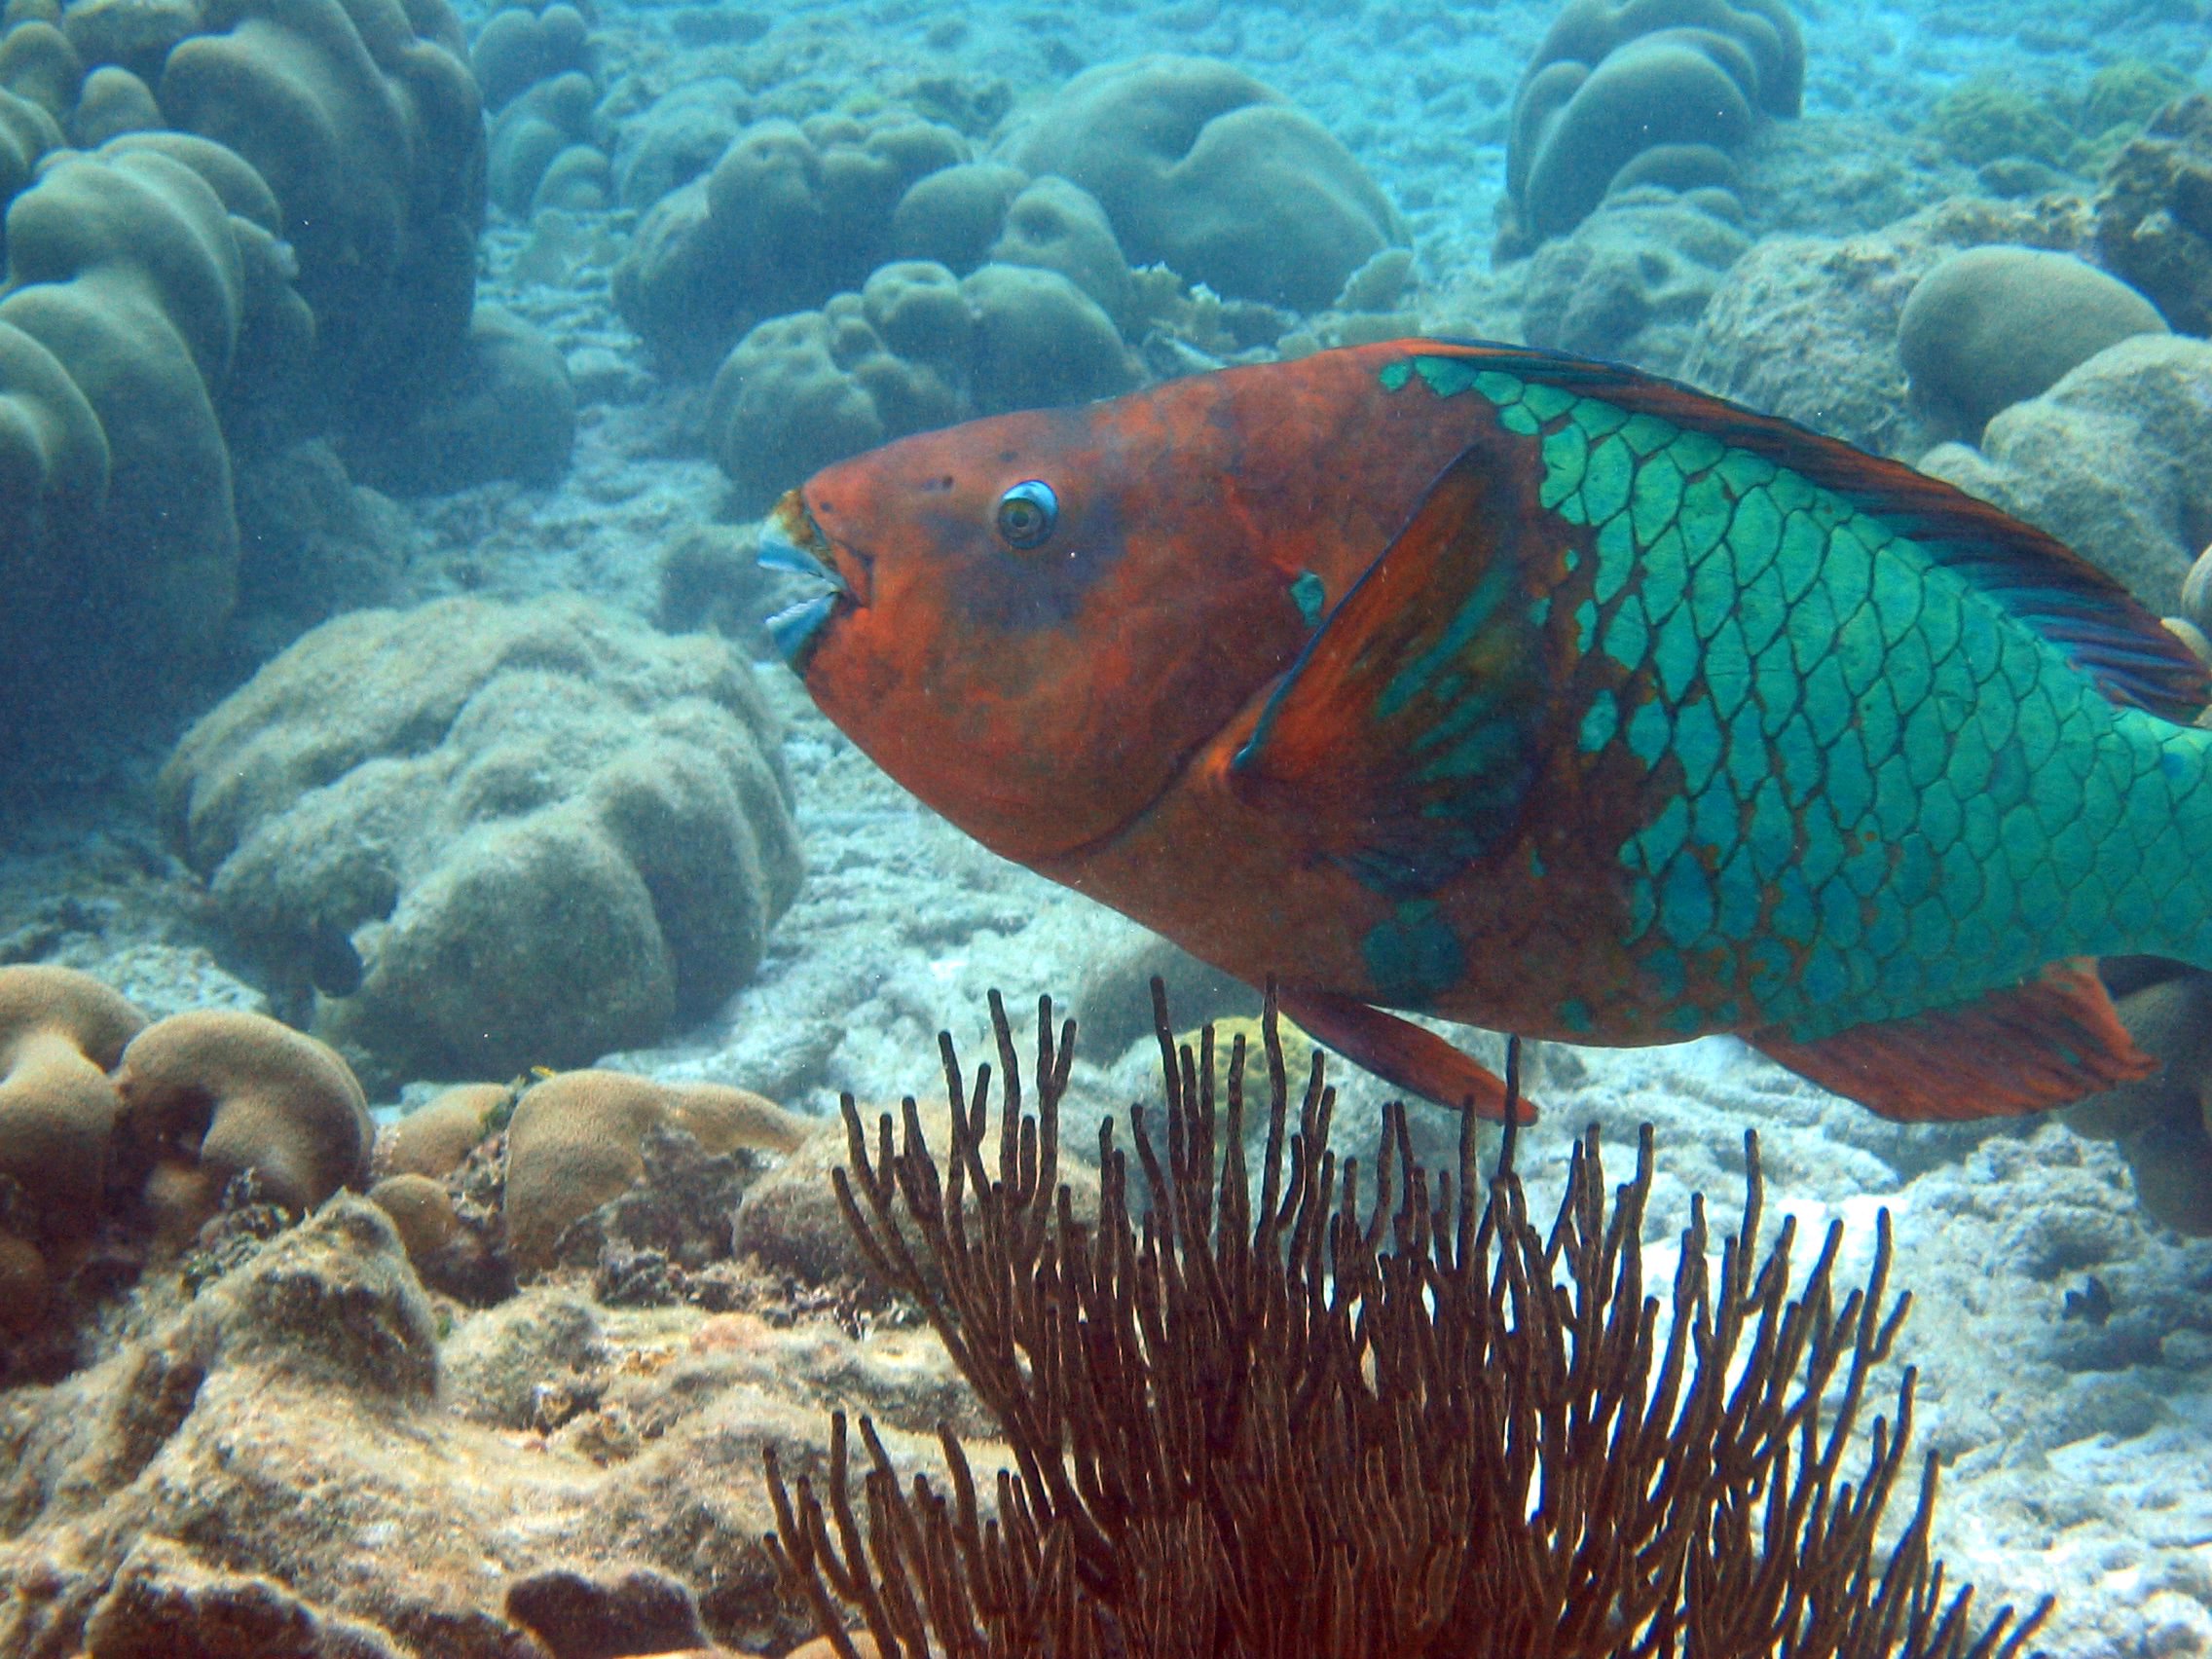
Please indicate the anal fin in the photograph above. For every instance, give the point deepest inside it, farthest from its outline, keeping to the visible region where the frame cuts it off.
(1409, 1057)
(2025, 1049)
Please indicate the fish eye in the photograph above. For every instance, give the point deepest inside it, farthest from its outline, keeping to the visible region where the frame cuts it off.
(1027, 513)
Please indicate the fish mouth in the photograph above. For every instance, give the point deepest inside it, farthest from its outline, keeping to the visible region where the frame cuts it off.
(791, 541)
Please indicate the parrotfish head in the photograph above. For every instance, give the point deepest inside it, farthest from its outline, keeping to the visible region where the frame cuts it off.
(1037, 619)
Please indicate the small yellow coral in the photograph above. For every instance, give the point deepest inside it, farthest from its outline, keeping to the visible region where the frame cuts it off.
(1298, 1052)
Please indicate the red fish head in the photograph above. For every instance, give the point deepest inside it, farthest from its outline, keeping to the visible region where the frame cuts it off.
(1041, 616)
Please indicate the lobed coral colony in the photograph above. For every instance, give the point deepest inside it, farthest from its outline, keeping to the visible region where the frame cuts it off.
(429, 944)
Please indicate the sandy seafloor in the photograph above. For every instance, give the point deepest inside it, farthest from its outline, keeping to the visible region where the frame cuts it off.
(2078, 1456)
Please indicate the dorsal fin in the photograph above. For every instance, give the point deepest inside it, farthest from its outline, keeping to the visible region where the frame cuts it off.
(2103, 629)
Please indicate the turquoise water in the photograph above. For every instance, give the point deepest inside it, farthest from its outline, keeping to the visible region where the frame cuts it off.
(386, 432)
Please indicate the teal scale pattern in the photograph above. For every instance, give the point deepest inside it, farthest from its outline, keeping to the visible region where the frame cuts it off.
(1893, 793)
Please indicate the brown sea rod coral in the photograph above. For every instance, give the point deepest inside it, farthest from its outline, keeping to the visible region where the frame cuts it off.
(1308, 1427)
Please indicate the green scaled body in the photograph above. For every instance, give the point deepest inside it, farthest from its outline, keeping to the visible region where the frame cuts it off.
(1872, 785)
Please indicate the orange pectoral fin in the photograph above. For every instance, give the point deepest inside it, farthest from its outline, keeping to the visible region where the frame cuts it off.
(2043, 1043)
(1407, 1055)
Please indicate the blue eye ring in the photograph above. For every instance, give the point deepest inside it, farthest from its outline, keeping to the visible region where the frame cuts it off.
(1027, 513)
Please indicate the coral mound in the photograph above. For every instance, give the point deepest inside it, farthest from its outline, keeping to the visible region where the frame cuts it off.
(61, 1032)
(548, 830)
(1208, 171)
(1641, 91)
(1992, 326)
(211, 1094)
(579, 1140)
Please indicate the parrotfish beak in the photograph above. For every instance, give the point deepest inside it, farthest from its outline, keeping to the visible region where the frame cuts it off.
(794, 629)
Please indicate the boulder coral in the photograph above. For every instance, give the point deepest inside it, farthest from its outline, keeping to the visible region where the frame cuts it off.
(791, 214)
(549, 832)
(916, 348)
(316, 272)
(61, 1032)
(139, 278)
(520, 45)
(2161, 1123)
(2115, 459)
(1641, 91)
(365, 121)
(1991, 326)
(531, 136)
(435, 1138)
(1210, 172)
(210, 1095)
(502, 407)
(577, 1140)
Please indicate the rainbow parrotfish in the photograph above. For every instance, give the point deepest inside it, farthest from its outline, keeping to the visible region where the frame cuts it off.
(1539, 694)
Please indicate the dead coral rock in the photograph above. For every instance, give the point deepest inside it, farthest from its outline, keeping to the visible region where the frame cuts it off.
(280, 1427)
(578, 1141)
(212, 1095)
(334, 1299)
(24, 1287)
(497, 1362)
(580, 1616)
(165, 1604)
(2154, 213)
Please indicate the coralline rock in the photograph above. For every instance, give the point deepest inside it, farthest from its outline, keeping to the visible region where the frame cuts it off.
(2115, 460)
(166, 1605)
(278, 1453)
(582, 1616)
(547, 831)
(1806, 327)
(2154, 213)
(1629, 281)
(499, 1361)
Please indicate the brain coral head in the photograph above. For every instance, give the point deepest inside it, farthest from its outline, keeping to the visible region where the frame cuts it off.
(61, 1033)
(1206, 170)
(1617, 79)
(577, 1140)
(210, 1094)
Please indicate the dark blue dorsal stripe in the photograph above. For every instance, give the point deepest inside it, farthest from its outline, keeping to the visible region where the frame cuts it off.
(2105, 630)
